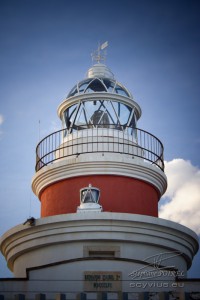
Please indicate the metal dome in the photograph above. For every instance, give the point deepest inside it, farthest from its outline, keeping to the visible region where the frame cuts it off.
(99, 70)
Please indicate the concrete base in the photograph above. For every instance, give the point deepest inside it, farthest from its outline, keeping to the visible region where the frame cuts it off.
(75, 243)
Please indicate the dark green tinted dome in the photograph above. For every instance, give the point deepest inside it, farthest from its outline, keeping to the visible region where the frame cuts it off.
(99, 79)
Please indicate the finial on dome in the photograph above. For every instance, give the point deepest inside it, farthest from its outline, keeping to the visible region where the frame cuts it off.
(99, 69)
(99, 55)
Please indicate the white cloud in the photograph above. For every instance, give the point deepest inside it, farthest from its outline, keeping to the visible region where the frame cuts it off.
(183, 193)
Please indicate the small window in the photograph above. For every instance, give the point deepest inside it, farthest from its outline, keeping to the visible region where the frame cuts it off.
(101, 253)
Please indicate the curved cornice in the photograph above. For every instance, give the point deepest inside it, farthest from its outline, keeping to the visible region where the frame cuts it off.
(72, 228)
(94, 96)
(81, 166)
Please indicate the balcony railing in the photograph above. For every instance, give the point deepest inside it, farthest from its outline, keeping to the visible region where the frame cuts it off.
(130, 141)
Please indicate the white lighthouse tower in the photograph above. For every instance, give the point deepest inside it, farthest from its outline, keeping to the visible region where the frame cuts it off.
(99, 180)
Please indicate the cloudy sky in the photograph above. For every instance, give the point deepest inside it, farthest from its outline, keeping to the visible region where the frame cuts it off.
(45, 48)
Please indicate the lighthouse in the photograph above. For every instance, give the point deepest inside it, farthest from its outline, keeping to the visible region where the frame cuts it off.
(99, 180)
(100, 145)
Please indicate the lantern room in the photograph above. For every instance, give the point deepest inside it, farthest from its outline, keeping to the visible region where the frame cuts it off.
(111, 107)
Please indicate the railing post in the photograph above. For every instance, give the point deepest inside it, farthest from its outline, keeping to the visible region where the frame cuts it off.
(163, 296)
(60, 297)
(143, 296)
(40, 297)
(147, 145)
(19, 297)
(102, 296)
(187, 296)
(122, 296)
(81, 296)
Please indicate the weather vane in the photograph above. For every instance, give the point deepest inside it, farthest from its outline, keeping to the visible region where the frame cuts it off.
(100, 55)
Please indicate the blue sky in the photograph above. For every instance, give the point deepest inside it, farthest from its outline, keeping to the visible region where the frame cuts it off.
(45, 49)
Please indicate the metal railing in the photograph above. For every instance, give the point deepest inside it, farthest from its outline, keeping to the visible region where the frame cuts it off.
(130, 141)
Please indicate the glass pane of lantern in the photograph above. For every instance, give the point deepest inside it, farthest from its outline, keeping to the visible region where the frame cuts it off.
(96, 86)
(83, 85)
(100, 118)
(91, 107)
(121, 91)
(69, 115)
(81, 118)
(88, 197)
(109, 85)
(99, 113)
(124, 113)
(73, 92)
(95, 195)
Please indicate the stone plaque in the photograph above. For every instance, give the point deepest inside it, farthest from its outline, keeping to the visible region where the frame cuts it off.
(102, 281)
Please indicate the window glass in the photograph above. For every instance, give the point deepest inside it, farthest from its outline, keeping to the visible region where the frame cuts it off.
(83, 85)
(89, 196)
(91, 107)
(108, 105)
(124, 114)
(73, 92)
(91, 85)
(81, 118)
(120, 90)
(96, 86)
(109, 85)
(99, 112)
(69, 115)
